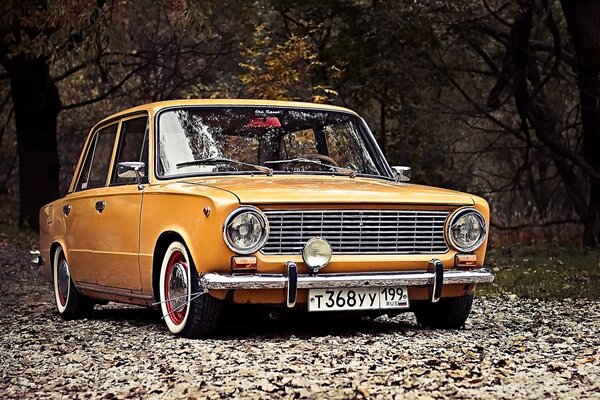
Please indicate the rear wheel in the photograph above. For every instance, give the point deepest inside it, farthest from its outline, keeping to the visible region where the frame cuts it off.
(187, 311)
(447, 313)
(69, 302)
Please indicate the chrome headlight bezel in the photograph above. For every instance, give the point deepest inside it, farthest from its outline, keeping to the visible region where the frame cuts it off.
(262, 218)
(455, 217)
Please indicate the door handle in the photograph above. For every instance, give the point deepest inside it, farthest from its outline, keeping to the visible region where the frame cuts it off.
(67, 209)
(100, 205)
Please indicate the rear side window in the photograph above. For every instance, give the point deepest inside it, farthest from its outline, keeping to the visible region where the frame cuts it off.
(133, 146)
(97, 162)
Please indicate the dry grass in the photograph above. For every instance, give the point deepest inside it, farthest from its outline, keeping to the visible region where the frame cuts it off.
(19, 238)
(545, 271)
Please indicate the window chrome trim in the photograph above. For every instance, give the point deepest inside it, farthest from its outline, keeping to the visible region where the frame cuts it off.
(92, 147)
(366, 134)
(118, 143)
(91, 138)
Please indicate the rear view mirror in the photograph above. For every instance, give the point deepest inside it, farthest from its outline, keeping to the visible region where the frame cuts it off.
(129, 170)
(403, 174)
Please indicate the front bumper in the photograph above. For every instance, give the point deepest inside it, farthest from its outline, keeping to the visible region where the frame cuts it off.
(324, 281)
(434, 278)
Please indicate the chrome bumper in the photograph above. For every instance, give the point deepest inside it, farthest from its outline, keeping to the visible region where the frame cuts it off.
(212, 281)
(36, 258)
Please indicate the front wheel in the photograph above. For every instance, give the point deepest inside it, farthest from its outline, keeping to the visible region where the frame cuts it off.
(187, 311)
(69, 302)
(447, 313)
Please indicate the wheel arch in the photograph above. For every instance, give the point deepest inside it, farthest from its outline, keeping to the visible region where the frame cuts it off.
(162, 244)
(53, 248)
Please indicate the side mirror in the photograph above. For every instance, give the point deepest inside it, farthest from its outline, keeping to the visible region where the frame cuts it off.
(129, 170)
(403, 174)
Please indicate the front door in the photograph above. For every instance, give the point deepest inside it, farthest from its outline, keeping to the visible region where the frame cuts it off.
(117, 216)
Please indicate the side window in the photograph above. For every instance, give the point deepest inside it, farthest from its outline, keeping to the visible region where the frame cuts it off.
(133, 146)
(97, 162)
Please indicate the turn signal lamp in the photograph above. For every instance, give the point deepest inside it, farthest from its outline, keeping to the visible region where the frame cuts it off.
(465, 260)
(243, 265)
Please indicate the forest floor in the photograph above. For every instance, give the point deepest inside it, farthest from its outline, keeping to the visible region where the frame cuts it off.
(511, 347)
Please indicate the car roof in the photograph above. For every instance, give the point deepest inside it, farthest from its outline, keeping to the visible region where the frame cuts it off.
(157, 106)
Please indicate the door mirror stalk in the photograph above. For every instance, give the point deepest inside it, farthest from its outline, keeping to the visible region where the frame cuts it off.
(131, 169)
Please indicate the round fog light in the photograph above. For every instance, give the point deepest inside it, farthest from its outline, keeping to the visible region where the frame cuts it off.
(316, 253)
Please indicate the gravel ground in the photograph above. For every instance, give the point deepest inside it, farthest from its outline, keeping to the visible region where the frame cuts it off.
(510, 348)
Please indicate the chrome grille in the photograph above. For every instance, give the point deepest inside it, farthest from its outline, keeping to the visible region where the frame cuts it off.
(358, 231)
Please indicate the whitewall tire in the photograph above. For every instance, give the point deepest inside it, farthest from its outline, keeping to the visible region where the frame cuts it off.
(186, 310)
(70, 304)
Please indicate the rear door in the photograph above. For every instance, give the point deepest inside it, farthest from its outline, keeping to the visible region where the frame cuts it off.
(79, 206)
(117, 218)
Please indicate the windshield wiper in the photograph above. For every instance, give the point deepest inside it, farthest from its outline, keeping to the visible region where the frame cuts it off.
(346, 171)
(218, 160)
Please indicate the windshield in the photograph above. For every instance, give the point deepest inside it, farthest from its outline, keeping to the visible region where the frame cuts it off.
(209, 140)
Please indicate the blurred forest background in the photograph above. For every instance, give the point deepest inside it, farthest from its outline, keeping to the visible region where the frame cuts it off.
(499, 98)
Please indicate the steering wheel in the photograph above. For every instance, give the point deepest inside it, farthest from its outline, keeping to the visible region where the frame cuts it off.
(320, 157)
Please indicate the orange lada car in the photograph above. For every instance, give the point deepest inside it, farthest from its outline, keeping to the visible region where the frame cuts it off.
(188, 205)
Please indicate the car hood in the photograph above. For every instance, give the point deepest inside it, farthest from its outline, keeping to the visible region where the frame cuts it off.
(260, 189)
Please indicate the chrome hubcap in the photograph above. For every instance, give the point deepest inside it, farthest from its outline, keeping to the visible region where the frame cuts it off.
(63, 278)
(178, 287)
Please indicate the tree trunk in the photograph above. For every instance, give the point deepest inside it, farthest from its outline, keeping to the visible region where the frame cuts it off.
(591, 233)
(382, 123)
(589, 92)
(583, 22)
(36, 105)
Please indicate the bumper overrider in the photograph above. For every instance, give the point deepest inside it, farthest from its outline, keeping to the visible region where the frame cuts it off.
(435, 277)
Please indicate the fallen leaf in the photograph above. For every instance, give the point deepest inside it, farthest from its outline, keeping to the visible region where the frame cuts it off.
(363, 392)
(409, 383)
(457, 373)
(556, 366)
(586, 360)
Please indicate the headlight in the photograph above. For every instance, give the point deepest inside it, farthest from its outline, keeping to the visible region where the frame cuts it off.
(466, 230)
(246, 230)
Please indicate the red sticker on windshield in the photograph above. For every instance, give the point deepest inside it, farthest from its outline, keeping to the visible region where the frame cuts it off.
(264, 122)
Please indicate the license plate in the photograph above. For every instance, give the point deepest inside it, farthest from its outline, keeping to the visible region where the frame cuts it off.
(357, 298)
